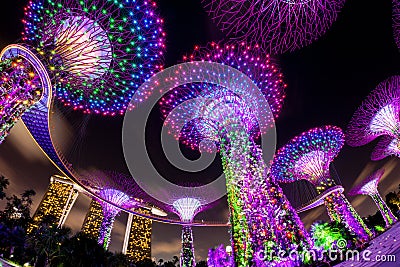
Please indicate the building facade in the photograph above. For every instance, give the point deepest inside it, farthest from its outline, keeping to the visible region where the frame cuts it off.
(57, 202)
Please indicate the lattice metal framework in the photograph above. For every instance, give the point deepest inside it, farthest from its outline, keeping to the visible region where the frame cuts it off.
(276, 25)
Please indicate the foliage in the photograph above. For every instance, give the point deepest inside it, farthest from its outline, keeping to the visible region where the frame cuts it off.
(327, 235)
(202, 264)
(218, 257)
(3, 185)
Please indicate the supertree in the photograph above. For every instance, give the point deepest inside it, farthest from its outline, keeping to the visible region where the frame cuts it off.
(114, 191)
(387, 146)
(370, 187)
(187, 208)
(308, 156)
(226, 118)
(277, 25)
(92, 55)
(396, 22)
(378, 114)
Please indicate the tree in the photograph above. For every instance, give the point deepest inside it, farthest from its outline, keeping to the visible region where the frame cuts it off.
(393, 201)
(3, 185)
(46, 242)
(201, 264)
(17, 210)
(175, 260)
(81, 250)
(326, 235)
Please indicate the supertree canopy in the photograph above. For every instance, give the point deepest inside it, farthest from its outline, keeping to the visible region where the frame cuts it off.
(263, 222)
(248, 59)
(396, 22)
(387, 146)
(307, 156)
(99, 52)
(115, 191)
(370, 187)
(378, 114)
(92, 54)
(187, 208)
(277, 25)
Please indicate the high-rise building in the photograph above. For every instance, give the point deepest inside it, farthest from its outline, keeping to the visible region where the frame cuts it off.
(93, 220)
(57, 201)
(137, 242)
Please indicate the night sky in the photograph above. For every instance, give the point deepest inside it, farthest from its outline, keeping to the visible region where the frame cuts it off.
(326, 83)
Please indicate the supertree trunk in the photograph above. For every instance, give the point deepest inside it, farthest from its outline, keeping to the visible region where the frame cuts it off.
(187, 253)
(340, 210)
(263, 221)
(384, 209)
(105, 231)
(20, 88)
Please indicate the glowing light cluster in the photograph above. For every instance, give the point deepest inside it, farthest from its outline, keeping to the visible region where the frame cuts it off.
(308, 155)
(277, 25)
(20, 88)
(182, 103)
(137, 244)
(378, 114)
(98, 52)
(396, 22)
(369, 186)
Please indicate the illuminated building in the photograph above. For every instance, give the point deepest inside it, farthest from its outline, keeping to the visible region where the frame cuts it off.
(93, 220)
(137, 242)
(370, 187)
(57, 201)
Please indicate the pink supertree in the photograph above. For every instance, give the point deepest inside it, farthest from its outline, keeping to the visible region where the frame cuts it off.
(378, 114)
(308, 156)
(387, 146)
(118, 191)
(202, 114)
(277, 25)
(396, 22)
(370, 187)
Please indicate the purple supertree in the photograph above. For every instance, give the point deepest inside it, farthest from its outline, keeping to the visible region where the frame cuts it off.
(118, 191)
(378, 114)
(92, 55)
(370, 187)
(187, 208)
(387, 146)
(277, 25)
(308, 156)
(396, 22)
(202, 115)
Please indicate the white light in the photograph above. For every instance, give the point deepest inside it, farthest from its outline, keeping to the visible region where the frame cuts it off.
(312, 164)
(83, 46)
(385, 120)
(158, 212)
(187, 208)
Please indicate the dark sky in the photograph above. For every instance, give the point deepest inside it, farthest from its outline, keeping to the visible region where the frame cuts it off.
(326, 83)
